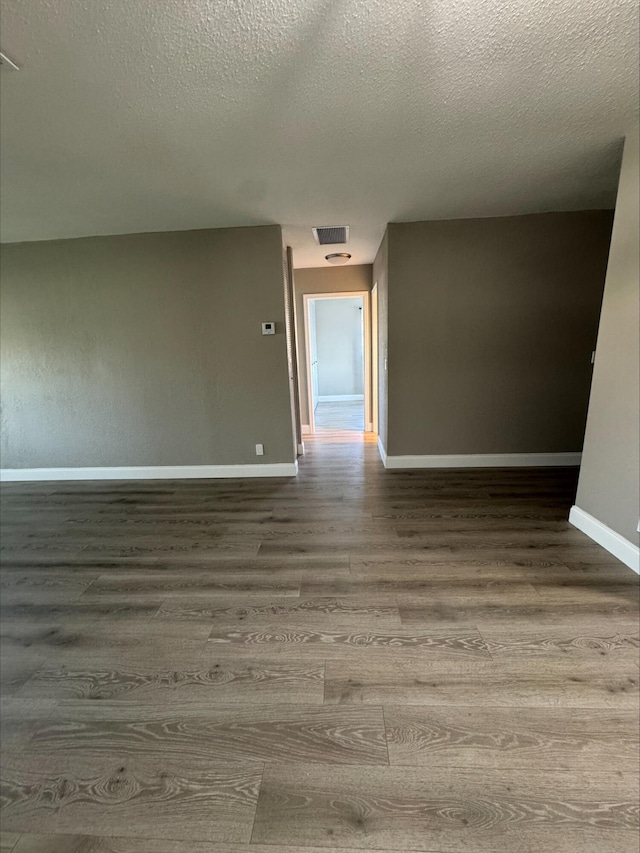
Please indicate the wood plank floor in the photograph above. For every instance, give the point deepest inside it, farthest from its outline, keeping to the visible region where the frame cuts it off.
(340, 415)
(356, 660)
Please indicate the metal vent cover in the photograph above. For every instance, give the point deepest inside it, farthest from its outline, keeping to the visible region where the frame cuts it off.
(330, 235)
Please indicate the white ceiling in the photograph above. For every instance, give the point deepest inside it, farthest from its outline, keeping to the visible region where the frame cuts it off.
(150, 115)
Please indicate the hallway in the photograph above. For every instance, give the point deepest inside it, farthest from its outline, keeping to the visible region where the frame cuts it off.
(353, 659)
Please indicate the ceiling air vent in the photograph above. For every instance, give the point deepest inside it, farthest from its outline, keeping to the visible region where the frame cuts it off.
(331, 234)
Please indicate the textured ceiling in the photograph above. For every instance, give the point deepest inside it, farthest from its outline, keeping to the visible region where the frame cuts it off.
(149, 115)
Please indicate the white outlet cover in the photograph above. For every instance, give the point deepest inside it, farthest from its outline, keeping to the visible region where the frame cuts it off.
(269, 328)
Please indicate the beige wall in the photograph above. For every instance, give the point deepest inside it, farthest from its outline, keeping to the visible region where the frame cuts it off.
(380, 278)
(491, 327)
(608, 487)
(144, 350)
(321, 280)
(340, 346)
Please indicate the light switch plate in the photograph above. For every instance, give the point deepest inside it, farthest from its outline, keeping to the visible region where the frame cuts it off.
(269, 328)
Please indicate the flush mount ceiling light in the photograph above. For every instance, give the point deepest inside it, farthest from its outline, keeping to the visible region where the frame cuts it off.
(338, 258)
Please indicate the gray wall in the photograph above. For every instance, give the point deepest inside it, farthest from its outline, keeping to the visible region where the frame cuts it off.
(608, 487)
(491, 327)
(340, 346)
(144, 350)
(381, 277)
(322, 280)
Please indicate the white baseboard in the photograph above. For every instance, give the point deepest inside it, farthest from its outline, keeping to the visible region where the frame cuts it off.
(382, 452)
(340, 398)
(613, 542)
(484, 460)
(150, 472)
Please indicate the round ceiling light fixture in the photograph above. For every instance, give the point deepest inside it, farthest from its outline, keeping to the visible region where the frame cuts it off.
(338, 258)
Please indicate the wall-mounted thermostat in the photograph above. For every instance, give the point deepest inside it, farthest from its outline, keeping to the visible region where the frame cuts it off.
(268, 328)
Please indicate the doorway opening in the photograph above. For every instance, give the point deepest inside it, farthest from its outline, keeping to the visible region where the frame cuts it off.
(338, 355)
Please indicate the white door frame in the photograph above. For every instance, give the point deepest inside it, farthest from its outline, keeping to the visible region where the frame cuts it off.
(374, 358)
(366, 325)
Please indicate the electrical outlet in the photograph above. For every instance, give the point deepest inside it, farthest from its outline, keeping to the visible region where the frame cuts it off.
(259, 449)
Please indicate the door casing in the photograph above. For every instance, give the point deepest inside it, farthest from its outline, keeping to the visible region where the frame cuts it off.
(366, 309)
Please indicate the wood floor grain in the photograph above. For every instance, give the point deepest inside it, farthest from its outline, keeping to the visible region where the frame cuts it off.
(8, 841)
(353, 659)
(326, 643)
(525, 738)
(71, 642)
(567, 639)
(516, 682)
(226, 681)
(315, 613)
(21, 718)
(16, 667)
(191, 799)
(471, 810)
(312, 734)
(32, 843)
(512, 612)
(153, 585)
